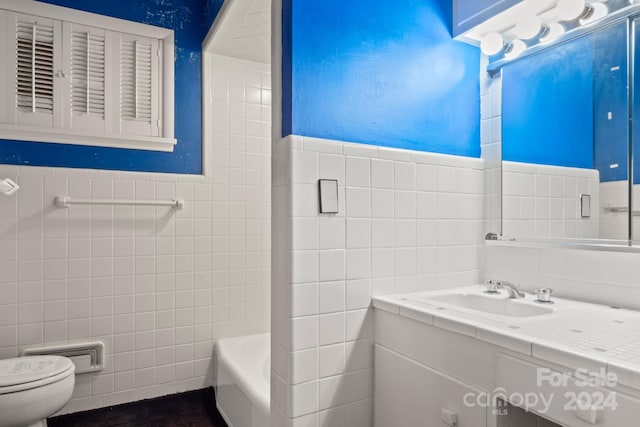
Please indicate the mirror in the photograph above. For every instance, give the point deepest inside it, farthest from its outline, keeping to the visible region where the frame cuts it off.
(635, 184)
(566, 138)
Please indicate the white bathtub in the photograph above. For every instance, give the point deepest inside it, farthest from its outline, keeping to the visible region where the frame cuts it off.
(241, 378)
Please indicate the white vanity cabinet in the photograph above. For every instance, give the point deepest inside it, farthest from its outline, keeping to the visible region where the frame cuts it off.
(422, 374)
(521, 377)
(435, 371)
(409, 394)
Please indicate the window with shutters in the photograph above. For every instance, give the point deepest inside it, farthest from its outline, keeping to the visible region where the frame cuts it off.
(79, 78)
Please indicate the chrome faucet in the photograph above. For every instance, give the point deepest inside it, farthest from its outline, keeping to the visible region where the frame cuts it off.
(512, 291)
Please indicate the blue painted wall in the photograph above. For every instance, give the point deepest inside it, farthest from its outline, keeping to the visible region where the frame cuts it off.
(547, 107)
(212, 7)
(189, 19)
(380, 72)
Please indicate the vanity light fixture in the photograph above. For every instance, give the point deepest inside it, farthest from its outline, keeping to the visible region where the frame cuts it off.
(570, 10)
(516, 48)
(493, 43)
(530, 27)
(554, 30)
(526, 30)
(598, 11)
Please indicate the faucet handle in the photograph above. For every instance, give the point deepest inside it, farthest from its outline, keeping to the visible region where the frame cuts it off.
(543, 295)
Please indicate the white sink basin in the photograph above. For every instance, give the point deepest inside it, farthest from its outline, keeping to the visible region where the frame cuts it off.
(490, 304)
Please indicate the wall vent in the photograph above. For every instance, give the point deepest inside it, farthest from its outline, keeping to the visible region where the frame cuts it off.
(87, 356)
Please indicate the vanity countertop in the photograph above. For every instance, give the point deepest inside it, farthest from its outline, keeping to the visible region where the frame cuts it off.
(577, 335)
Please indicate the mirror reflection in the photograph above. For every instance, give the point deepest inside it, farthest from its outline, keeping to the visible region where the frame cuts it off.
(566, 140)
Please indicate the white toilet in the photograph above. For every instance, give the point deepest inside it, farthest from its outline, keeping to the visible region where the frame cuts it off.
(34, 388)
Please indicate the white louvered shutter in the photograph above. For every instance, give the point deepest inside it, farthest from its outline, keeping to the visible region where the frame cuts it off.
(72, 77)
(86, 53)
(36, 66)
(139, 86)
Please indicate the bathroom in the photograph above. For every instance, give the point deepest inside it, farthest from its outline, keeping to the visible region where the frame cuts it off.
(294, 232)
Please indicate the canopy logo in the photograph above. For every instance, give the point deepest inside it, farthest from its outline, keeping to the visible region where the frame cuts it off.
(580, 392)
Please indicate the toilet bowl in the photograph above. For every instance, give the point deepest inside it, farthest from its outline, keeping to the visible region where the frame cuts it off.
(34, 388)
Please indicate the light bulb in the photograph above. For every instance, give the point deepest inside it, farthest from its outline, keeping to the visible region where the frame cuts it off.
(515, 49)
(528, 27)
(568, 10)
(598, 11)
(492, 44)
(554, 31)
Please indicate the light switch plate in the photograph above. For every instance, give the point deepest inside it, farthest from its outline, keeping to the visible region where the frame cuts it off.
(585, 205)
(8, 187)
(328, 190)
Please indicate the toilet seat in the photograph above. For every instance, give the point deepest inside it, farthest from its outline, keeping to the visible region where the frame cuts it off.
(24, 373)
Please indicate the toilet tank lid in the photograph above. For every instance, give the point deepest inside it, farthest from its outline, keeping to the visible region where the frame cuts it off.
(21, 370)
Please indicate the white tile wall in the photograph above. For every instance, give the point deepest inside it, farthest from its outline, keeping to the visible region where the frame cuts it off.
(157, 286)
(609, 278)
(408, 221)
(544, 201)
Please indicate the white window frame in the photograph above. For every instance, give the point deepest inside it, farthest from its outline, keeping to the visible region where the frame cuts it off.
(163, 142)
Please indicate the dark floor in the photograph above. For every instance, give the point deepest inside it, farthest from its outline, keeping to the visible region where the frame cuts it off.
(190, 409)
